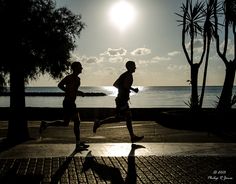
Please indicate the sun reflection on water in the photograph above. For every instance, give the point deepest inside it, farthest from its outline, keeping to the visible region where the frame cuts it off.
(112, 91)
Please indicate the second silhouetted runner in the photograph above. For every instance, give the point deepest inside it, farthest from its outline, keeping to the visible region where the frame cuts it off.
(124, 86)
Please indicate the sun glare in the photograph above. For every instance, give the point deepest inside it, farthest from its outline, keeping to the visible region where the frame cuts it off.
(112, 91)
(122, 14)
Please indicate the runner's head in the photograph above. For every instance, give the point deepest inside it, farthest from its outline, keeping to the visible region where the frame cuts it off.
(130, 65)
(76, 67)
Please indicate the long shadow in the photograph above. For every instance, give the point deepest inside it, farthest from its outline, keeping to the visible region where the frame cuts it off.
(11, 176)
(6, 144)
(105, 172)
(131, 177)
(113, 174)
(59, 173)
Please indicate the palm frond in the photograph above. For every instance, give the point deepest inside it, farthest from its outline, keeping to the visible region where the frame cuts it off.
(230, 10)
(193, 18)
(208, 13)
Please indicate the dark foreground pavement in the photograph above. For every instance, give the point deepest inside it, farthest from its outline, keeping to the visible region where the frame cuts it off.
(163, 156)
(139, 169)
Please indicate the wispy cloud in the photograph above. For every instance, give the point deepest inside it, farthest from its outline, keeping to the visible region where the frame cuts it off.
(146, 62)
(94, 60)
(87, 60)
(141, 52)
(115, 59)
(74, 57)
(173, 67)
(158, 58)
(230, 48)
(174, 53)
(197, 45)
(106, 71)
(115, 52)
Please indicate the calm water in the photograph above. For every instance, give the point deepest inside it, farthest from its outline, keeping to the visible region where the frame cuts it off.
(154, 96)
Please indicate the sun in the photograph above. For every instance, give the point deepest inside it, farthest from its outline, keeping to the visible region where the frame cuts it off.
(122, 14)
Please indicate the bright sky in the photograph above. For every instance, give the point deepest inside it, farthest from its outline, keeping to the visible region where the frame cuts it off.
(145, 31)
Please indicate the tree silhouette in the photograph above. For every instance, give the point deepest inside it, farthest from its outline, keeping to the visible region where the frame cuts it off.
(226, 101)
(208, 34)
(36, 38)
(192, 20)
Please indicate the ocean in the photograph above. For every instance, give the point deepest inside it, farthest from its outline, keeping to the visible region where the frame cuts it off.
(148, 97)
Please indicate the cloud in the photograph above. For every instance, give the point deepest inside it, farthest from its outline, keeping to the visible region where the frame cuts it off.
(154, 60)
(115, 52)
(172, 67)
(143, 62)
(197, 45)
(92, 60)
(106, 71)
(230, 44)
(110, 70)
(158, 58)
(141, 52)
(230, 48)
(115, 59)
(174, 53)
(74, 57)
(87, 60)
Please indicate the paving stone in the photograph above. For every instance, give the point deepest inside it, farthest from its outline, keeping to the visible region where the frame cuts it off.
(163, 161)
(150, 169)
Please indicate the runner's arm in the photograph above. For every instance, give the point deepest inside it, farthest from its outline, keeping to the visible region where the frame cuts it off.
(61, 84)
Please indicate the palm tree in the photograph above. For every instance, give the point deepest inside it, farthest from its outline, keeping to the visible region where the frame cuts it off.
(208, 34)
(192, 20)
(226, 100)
(35, 38)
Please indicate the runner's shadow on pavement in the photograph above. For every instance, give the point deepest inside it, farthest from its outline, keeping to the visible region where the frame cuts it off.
(5, 144)
(113, 174)
(12, 177)
(59, 173)
(131, 177)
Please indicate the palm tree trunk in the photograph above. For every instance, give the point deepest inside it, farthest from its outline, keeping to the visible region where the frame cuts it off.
(194, 82)
(17, 126)
(226, 94)
(205, 73)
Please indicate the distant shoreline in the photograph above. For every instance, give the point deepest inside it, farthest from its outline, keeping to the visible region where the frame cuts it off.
(51, 94)
(148, 97)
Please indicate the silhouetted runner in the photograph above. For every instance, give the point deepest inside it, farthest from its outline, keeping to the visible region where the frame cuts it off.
(124, 85)
(70, 85)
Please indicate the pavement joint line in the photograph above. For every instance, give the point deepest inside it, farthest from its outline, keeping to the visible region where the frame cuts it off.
(30, 150)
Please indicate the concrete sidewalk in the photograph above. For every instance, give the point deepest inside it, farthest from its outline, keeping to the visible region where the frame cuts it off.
(129, 169)
(164, 156)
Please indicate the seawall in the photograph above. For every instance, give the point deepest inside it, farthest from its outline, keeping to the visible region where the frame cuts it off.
(180, 118)
(87, 114)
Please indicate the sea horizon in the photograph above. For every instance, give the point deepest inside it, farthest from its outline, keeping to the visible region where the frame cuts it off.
(148, 97)
(136, 85)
